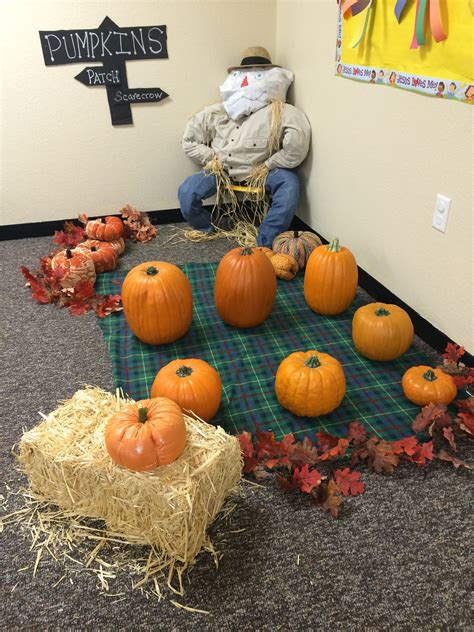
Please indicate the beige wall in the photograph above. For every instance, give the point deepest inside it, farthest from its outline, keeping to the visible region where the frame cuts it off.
(378, 159)
(60, 155)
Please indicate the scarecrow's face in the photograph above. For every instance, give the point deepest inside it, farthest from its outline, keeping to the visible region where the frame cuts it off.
(249, 90)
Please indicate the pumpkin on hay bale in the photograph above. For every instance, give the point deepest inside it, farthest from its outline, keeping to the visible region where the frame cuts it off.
(66, 461)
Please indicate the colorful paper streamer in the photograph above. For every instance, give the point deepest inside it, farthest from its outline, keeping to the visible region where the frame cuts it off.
(354, 7)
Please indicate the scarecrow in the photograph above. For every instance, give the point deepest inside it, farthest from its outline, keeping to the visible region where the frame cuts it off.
(250, 142)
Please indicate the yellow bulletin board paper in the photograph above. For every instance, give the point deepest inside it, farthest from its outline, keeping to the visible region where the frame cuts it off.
(442, 69)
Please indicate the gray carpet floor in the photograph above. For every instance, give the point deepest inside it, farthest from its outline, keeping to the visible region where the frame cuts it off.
(397, 559)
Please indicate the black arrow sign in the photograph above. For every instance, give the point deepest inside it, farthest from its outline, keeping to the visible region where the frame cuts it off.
(96, 76)
(139, 95)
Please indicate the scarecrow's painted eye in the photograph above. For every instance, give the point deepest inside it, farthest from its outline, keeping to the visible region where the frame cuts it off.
(236, 73)
(259, 75)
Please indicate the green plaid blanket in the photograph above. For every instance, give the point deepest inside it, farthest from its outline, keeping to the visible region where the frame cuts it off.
(247, 361)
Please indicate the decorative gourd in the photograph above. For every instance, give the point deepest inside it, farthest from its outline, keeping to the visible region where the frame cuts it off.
(102, 254)
(118, 245)
(285, 266)
(310, 383)
(297, 244)
(108, 229)
(77, 267)
(146, 434)
(381, 331)
(330, 280)
(193, 384)
(423, 385)
(266, 251)
(157, 302)
(245, 287)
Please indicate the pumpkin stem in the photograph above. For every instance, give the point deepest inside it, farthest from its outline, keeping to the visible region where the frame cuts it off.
(68, 253)
(295, 234)
(246, 251)
(313, 362)
(93, 249)
(184, 371)
(334, 245)
(381, 312)
(142, 415)
(151, 271)
(430, 376)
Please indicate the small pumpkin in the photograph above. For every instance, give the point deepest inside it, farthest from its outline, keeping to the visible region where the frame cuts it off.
(285, 266)
(330, 280)
(118, 245)
(266, 251)
(144, 435)
(310, 383)
(381, 331)
(193, 384)
(108, 229)
(245, 287)
(77, 267)
(298, 244)
(423, 385)
(103, 255)
(157, 302)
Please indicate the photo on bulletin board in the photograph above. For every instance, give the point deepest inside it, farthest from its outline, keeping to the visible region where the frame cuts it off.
(425, 46)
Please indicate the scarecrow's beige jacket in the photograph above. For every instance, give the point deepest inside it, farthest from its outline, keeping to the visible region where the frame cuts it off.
(240, 145)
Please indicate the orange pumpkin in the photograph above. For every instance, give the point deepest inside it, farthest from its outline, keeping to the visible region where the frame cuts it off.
(298, 244)
(330, 280)
(381, 331)
(108, 229)
(102, 254)
(266, 251)
(157, 302)
(118, 245)
(193, 384)
(310, 383)
(423, 385)
(77, 267)
(285, 266)
(245, 287)
(146, 434)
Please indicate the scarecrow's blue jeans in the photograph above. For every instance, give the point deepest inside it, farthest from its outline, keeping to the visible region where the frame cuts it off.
(282, 185)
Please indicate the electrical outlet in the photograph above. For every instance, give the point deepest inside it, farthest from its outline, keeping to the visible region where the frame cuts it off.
(441, 212)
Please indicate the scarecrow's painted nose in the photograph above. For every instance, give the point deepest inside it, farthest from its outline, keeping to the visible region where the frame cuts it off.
(244, 82)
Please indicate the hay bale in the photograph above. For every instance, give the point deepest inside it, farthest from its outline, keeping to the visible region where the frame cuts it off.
(67, 464)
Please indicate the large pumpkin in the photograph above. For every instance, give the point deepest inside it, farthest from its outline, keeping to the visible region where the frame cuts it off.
(157, 302)
(245, 287)
(310, 383)
(423, 385)
(193, 384)
(330, 280)
(102, 254)
(381, 331)
(108, 229)
(77, 267)
(298, 244)
(146, 434)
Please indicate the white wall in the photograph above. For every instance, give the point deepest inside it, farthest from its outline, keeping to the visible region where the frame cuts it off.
(378, 159)
(60, 154)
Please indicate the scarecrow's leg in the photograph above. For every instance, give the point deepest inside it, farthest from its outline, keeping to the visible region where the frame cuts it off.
(283, 186)
(191, 193)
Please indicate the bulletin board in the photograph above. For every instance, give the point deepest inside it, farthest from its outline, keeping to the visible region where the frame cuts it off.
(384, 42)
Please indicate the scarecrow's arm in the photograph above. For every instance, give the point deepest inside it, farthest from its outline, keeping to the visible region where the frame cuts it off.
(295, 138)
(198, 135)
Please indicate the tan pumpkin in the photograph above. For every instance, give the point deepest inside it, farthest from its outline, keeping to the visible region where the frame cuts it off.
(108, 229)
(144, 435)
(266, 251)
(245, 287)
(76, 266)
(330, 280)
(102, 254)
(381, 331)
(157, 302)
(310, 383)
(285, 266)
(298, 244)
(423, 385)
(193, 384)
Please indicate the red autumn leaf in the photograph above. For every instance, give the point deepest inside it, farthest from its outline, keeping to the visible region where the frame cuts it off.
(466, 405)
(326, 441)
(286, 482)
(70, 236)
(453, 352)
(432, 414)
(266, 445)
(338, 450)
(464, 379)
(445, 456)
(330, 499)
(423, 453)
(360, 453)
(78, 308)
(82, 217)
(108, 304)
(407, 445)
(39, 292)
(303, 452)
(466, 422)
(306, 479)
(83, 291)
(349, 482)
(286, 443)
(248, 452)
(448, 434)
(381, 456)
(357, 433)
